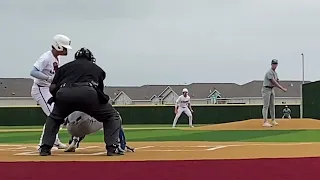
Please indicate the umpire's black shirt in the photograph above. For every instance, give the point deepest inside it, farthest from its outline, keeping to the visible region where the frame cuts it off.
(80, 70)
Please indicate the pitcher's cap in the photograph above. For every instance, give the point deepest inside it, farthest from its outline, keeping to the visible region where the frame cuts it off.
(274, 61)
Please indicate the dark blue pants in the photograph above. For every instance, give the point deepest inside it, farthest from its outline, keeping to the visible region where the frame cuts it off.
(122, 138)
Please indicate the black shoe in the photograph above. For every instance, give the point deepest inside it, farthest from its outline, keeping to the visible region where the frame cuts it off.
(44, 151)
(114, 151)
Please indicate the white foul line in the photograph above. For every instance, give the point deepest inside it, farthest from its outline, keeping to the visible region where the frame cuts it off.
(9, 145)
(185, 146)
(17, 148)
(91, 147)
(272, 144)
(215, 148)
(144, 147)
(27, 153)
(170, 150)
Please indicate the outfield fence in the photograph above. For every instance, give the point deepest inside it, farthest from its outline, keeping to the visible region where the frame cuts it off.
(311, 100)
(157, 114)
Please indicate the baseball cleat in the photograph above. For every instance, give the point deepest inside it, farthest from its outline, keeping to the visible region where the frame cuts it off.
(73, 145)
(45, 151)
(53, 148)
(191, 126)
(60, 145)
(121, 150)
(266, 124)
(114, 151)
(274, 122)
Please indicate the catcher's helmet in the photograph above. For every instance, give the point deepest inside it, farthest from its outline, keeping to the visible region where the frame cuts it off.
(85, 54)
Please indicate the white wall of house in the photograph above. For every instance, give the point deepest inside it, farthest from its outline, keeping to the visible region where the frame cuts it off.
(166, 92)
(16, 101)
(199, 101)
(277, 101)
(142, 102)
(170, 98)
(260, 101)
(123, 99)
(156, 101)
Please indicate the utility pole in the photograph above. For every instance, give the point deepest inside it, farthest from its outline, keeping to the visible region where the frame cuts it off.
(301, 105)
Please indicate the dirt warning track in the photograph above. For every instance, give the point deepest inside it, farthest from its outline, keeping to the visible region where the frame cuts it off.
(167, 151)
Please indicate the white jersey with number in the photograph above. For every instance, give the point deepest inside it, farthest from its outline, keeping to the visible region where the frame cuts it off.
(183, 101)
(47, 64)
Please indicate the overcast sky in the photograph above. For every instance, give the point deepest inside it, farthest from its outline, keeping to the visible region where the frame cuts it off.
(168, 41)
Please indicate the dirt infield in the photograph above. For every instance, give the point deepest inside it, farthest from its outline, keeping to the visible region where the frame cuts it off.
(160, 158)
(167, 151)
(183, 150)
(256, 124)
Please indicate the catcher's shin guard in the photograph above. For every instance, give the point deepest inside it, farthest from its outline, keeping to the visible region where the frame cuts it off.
(122, 139)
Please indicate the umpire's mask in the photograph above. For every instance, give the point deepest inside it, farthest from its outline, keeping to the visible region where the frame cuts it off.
(84, 53)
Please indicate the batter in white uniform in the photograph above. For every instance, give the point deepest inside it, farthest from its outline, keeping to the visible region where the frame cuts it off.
(43, 72)
(183, 105)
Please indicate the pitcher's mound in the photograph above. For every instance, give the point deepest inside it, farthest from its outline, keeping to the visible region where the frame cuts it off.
(256, 124)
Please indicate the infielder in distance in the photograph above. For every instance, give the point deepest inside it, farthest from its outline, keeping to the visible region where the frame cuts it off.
(183, 104)
(43, 72)
(271, 80)
(81, 124)
(286, 112)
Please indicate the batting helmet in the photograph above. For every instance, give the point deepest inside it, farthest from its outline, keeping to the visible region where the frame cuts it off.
(85, 54)
(185, 90)
(61, 41)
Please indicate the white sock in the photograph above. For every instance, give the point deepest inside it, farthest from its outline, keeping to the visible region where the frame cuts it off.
(77, 138)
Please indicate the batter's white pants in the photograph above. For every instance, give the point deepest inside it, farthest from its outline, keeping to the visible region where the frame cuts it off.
(187, 111)
(41, 95)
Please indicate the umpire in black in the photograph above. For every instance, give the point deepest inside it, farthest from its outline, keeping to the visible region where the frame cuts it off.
(78, 86)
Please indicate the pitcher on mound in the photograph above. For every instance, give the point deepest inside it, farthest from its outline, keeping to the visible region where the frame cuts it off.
(183, 105)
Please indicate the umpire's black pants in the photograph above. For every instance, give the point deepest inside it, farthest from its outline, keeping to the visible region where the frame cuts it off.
(85, 99)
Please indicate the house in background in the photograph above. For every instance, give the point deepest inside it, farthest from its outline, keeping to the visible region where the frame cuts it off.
(204, 93)
(16, 92)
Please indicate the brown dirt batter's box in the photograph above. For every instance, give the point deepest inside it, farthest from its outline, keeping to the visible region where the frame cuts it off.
(168, 151)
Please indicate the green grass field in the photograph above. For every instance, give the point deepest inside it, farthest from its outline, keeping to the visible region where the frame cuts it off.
(134, 133)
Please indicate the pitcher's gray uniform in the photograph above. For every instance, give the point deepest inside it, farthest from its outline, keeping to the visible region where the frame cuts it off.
(270, 81)
(81, 124)
(268, 94)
